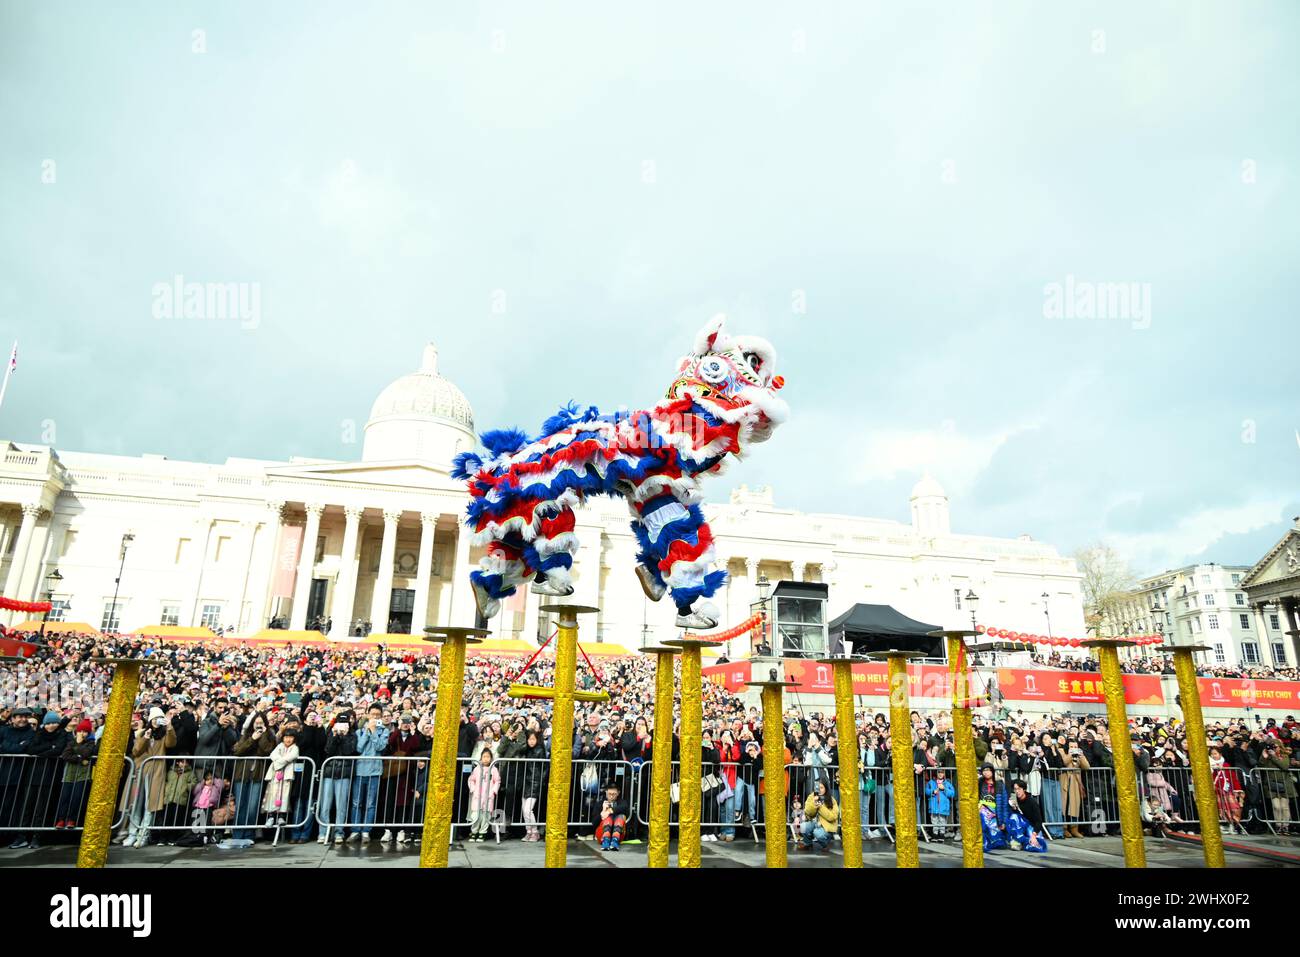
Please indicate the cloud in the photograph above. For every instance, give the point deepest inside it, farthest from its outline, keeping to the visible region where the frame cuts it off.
(955, 457)
(1191, 537)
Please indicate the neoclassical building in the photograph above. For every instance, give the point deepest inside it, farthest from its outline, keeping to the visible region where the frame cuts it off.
(378, 541)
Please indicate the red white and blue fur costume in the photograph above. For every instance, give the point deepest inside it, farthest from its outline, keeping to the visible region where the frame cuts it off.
(722, 400)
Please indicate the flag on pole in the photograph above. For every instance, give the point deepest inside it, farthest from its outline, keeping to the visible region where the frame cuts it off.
(13, 357)
(13, 364)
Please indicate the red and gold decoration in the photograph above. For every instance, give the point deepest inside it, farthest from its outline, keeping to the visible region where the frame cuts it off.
(1056, 641)
(30, 607)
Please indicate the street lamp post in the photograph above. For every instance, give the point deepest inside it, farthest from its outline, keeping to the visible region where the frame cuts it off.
(1048, 612)
(972, 602)
(127, 539)
(51, 583)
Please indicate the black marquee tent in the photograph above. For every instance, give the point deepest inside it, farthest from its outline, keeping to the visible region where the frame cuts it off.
(881, 627)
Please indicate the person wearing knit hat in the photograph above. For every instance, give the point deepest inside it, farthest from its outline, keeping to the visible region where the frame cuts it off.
(46, 747)
(78, 764)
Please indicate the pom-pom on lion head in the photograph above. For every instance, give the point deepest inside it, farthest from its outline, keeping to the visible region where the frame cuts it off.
(734, 377)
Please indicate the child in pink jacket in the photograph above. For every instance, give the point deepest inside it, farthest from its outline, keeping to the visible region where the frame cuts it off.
(484, 782)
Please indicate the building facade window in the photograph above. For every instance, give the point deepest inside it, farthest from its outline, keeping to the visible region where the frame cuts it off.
(1219, 657)
(1279, 654)
(1274, 623)
(211, 616)
(1250, 652)
(1236, 579)
(171, 613)
(1245, 621)
(1209, 600)
(1241, 599)
(1205, 579)
(111, 620)
(1214, 622)
(59, 609)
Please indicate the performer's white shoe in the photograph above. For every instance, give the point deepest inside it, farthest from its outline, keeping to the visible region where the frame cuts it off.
(704, 614)
(654, 590)
(549, 587)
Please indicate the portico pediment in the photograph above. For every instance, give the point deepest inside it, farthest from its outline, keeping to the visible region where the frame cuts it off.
(1282, 563)
(408, 474)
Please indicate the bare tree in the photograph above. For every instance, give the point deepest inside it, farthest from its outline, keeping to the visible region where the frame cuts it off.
(1107, 582)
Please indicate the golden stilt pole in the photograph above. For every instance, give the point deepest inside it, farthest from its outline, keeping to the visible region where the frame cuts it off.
(557, 793)
(906, 848)
(968, 804)
(440, 797)
(1121, 746)
(774, 823)
(688, 806)
(1207, 807)
(850, 800)
(661, 771)
(101, 806)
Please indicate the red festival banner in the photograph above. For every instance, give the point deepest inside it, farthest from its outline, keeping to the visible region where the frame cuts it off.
(286, 561)
(1077, 687)
(932, 681)
(1249, 693)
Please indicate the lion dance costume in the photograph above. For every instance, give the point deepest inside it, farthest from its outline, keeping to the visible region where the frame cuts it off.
(722, 400)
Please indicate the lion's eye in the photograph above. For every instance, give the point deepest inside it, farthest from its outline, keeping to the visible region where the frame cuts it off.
(755, 360)
(713, 369)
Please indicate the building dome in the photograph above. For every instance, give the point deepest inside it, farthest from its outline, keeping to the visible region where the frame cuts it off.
(930, 508)
(420, 416)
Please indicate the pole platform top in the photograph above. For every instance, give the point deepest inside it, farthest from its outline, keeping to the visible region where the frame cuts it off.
(1000, 646)
(658, 650)
(692, 643)
(471, 636)
(833, 659)
(1181, 648)
(894, 653)
(125, 661)
(771, 684)
(563, 610)
(955, 633)
(1108, 643)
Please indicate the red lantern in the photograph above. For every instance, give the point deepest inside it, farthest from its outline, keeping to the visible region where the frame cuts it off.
(979, 629)
(1059, 642)
(1074, 642)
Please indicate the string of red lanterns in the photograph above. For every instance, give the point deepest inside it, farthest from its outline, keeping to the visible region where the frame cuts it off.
(736, 631)
(31, 607)
(1027, 638)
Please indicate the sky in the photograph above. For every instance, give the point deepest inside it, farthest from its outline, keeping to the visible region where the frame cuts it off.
(1046, 252)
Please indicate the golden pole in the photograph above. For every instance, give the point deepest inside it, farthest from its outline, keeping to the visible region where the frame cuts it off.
(661, 771)
(1206, 806)
(1121, 746)
(774, 822)
(107, 774)
(963, 736)
(688, 806)
(557, 794)
(906, 848)
(850, 802)
(440, 791)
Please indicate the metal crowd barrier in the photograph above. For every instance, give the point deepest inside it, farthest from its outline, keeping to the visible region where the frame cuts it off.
(520, 803)
(719, 811)
(204, 794)
(1273, 807)
(49, 794)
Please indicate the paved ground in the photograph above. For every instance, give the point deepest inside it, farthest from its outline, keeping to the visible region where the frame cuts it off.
(1091, 852)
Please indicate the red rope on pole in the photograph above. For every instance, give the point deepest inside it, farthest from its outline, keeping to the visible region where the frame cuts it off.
(530, 661)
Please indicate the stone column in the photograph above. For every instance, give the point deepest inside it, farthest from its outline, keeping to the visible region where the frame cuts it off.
(249, 530)
(798, 568)
(265, 563)
(16, 567)
(423, 572)
(382, 600)
(204, 526)
(462, 597)
(306, 564)
(30, 584)
(1291, 616)
(345, 591)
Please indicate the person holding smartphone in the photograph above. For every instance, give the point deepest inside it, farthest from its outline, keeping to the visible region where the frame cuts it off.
(336, 776)
(1073, 790)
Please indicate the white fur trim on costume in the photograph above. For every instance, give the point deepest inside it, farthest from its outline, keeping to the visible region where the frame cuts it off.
(564, 542)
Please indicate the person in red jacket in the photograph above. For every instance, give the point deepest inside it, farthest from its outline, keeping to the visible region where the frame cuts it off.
(728, 762)
(404, 742)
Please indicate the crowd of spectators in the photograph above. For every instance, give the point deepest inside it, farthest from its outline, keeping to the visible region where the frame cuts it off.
(227, 738)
